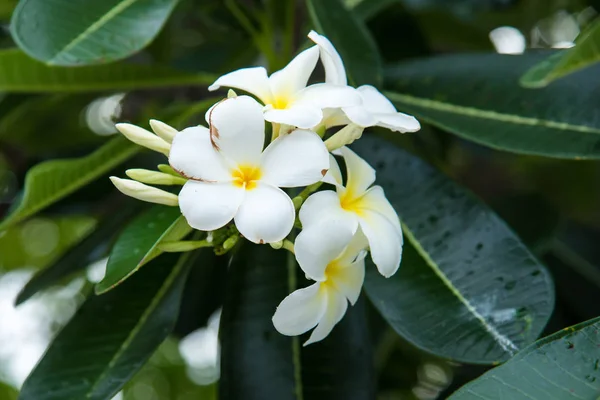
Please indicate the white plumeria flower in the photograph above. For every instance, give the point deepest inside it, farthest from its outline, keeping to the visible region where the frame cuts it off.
(375, 109)
(332, 255)
(230, 177)
(285, 95)
(363, 206)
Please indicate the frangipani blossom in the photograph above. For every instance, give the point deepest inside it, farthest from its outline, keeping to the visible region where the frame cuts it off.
(231, 177)
(362, 206)
(375, 109)
(285, 95)
(333, 256)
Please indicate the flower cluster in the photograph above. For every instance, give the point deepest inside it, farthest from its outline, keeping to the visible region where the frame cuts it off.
(229, 175)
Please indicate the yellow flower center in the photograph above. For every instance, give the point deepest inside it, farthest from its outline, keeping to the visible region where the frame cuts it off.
(281, 102)
(246, 176)
(332, 271)
(350, 202)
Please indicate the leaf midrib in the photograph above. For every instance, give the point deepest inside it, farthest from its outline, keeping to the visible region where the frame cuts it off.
(504, 342)
(488, 114)
(112, 13)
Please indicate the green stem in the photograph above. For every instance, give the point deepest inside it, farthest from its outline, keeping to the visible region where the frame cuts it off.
(288, 245)
(183, 246)
(299, 200)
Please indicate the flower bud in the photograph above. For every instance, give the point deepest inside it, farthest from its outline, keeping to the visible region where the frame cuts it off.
(164, 131)
(344, 137)
(144, 138)
(143, 192)
(154, 177)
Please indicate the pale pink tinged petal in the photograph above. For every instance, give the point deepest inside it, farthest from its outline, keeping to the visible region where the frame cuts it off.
(266, 215)
(360, 116)
(336, 308)
(300, 311)
(238, 130)
(294, 76)
(334, 117)
(326, 95)
(193, 155)
(398, 122)
(209, 206)
(384, 242)
(252, 80)
(321, 206)
(334, 175)
(360, 174)
(375, 200)
(297, 159)
(319, 244)
(335, 72)
(374, 101)
(303, 116)
(349, 281)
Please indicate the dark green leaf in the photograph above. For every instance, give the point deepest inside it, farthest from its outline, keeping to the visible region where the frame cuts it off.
(111, 336)
(562, 366)
(467, 289)
(350, 37)
(585, 53)
(138, 244)
(367, 9)
(19, 73)
(478, 97)
(80, 32)
(88, 250)
(50, 181)
(257, 362)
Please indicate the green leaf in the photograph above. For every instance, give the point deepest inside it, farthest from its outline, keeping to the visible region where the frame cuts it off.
(91, 248)
(111, 337)
(80, 32)
(139, 243)
(565, 365)
(350, 37)
(478, 98)
(19, 73)
(584, 54)
(467, 288)
(50, 181)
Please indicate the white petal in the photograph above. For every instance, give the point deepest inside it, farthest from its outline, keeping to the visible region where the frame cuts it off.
(360, 116)
(252, 80)
(297, 159)
(238, 129)
(319, 244)
(332, 62)
(349, 282)
(209, 206)
(303, 116)
(321, 206)
(300, 311)
(193, 155)
(266, 215)
(375, 200)
(355, 249)
(336, 308)
(334, 175)
(294, 76)
(334, 117)
(374, 101)
(360, 174)
(326, 95)
(398, 122)
(384, 242)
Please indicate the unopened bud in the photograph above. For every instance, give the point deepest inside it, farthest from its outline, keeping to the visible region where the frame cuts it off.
(167, 169)
(154, 177)
(230, 242)
(164, 131)
(277, 245)
(231, 94)
(143, 192)
(344, 137)
(144, 138)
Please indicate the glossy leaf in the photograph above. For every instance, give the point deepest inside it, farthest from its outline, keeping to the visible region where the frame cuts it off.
(50, 181)
(139, 243)
(80, 32)
(19, 73)
(478, 98)
(111, 337)
(467, 288)
(350, 37)
(584, 54)
(91, 248)
(565, 365)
